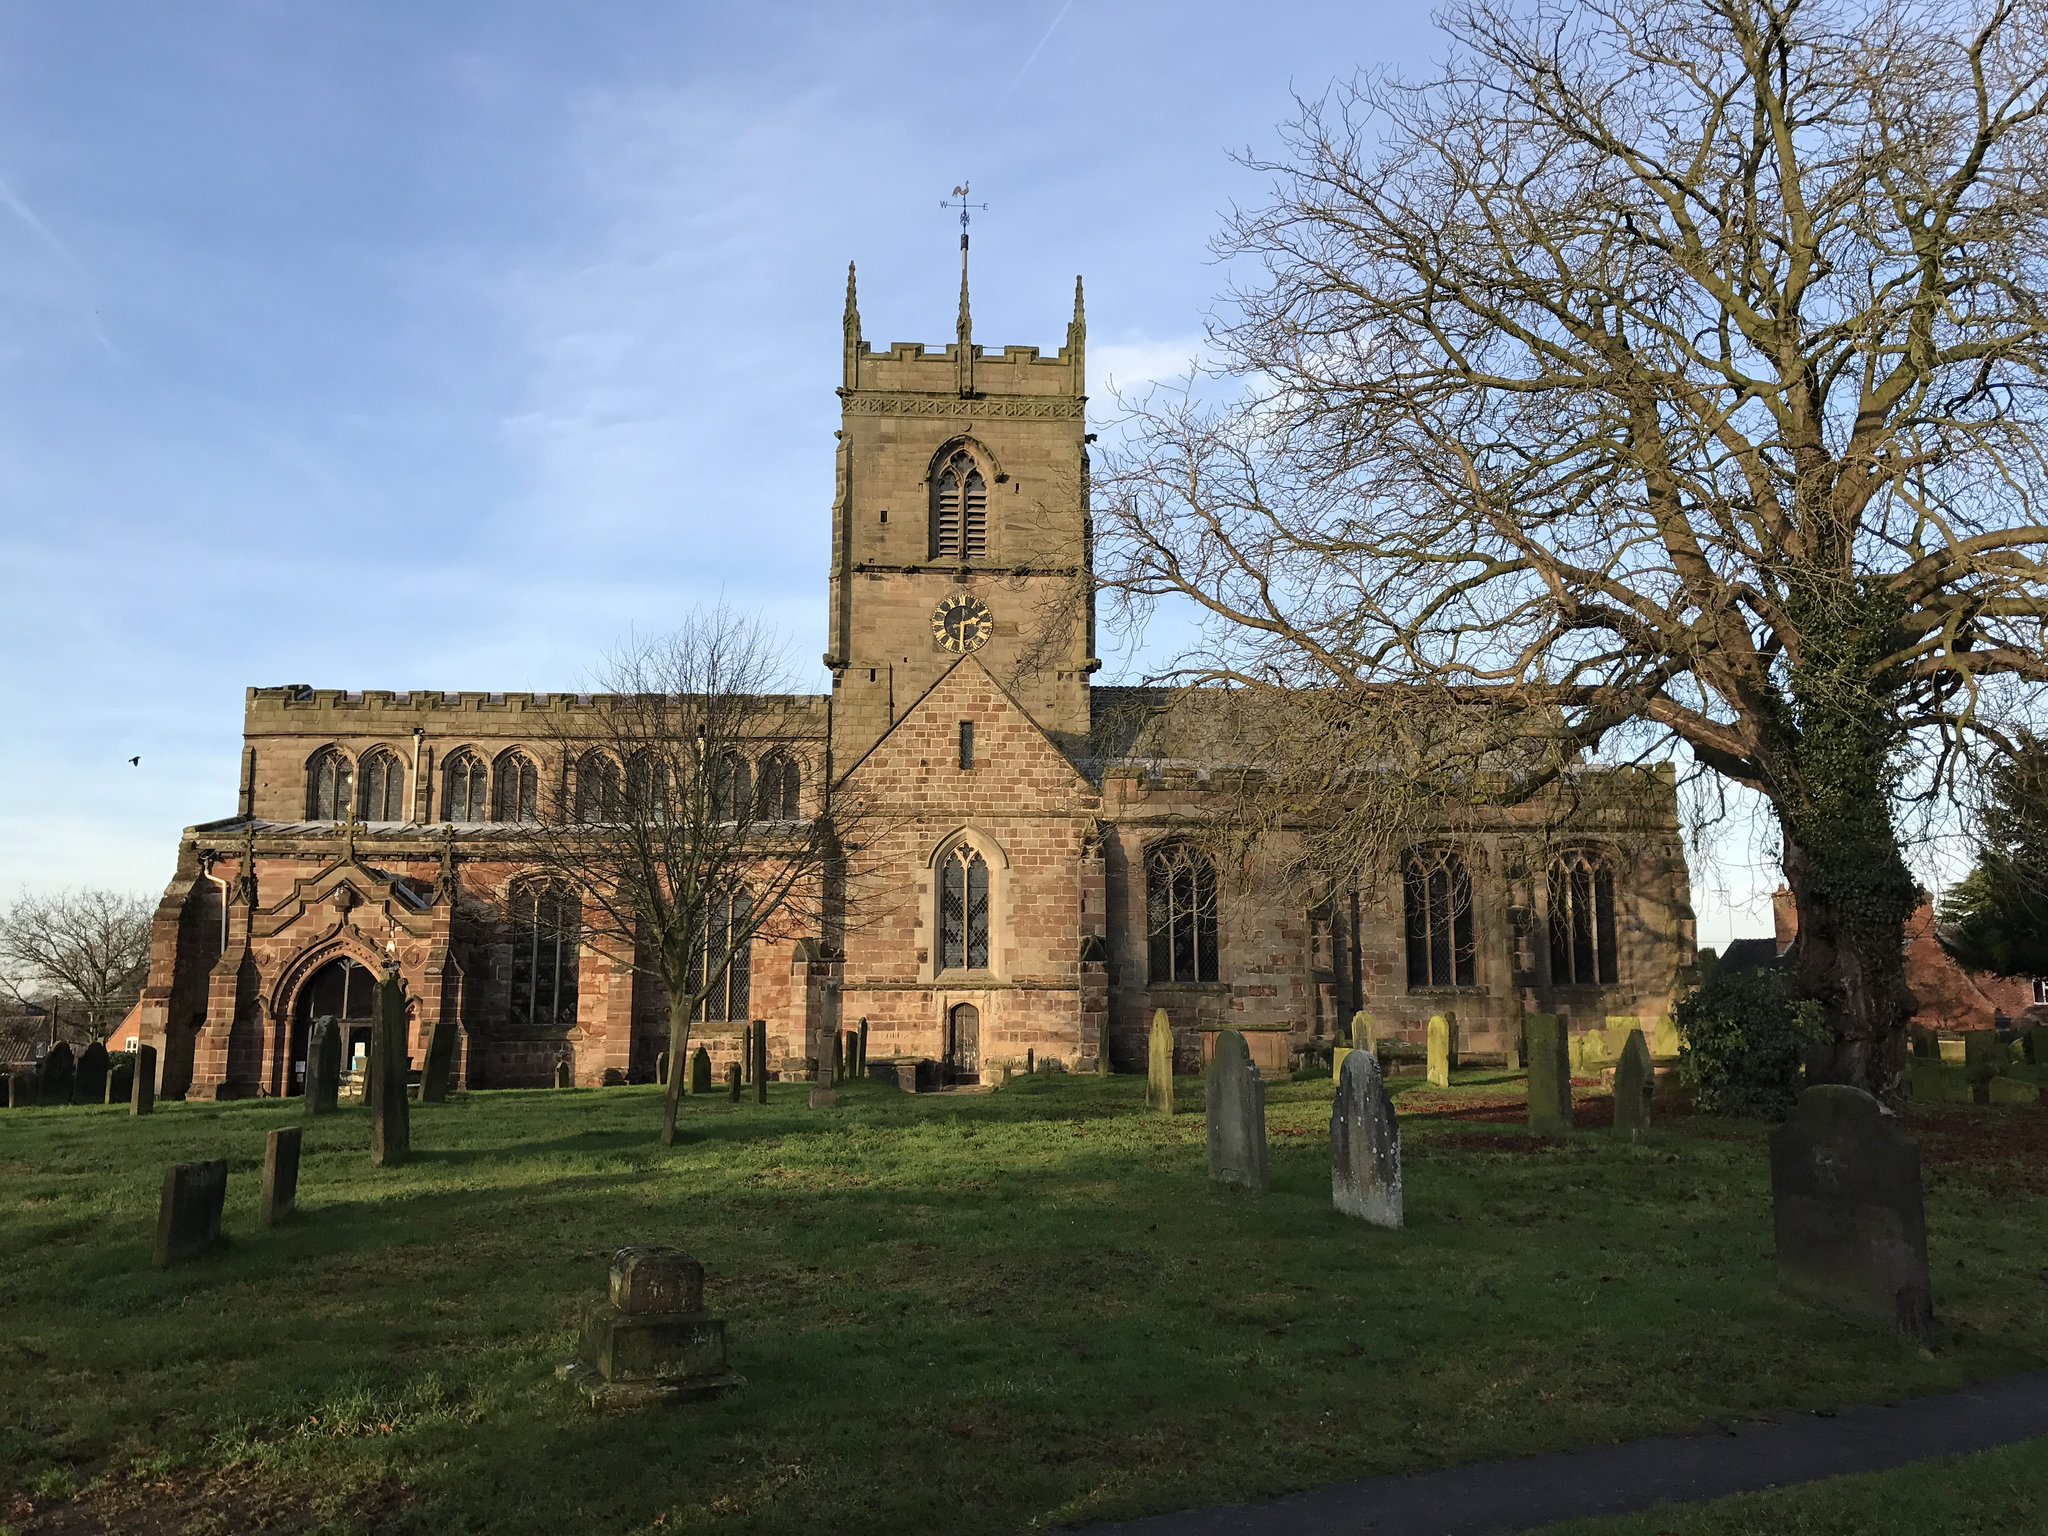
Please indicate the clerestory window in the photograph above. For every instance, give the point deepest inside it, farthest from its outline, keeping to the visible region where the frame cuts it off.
(517, 791)
(330, 782)
(382, 780)
(463, 796)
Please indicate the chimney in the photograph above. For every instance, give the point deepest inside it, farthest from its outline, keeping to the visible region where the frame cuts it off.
(1784, 917)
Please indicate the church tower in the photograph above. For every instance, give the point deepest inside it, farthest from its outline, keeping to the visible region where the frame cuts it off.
(960, 525)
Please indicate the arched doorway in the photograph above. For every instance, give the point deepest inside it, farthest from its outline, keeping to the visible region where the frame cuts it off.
(346, 991)
(963, 1043)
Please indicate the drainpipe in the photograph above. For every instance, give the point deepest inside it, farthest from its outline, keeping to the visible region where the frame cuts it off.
(412, 782)
(206, 863)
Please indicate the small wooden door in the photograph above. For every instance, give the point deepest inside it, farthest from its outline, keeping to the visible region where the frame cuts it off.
(963, 1042)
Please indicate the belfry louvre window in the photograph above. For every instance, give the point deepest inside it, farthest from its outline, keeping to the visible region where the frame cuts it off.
(960, 510)
(963, 911)
(727, 955)
(382, 778)
(463, 797)
(517, 789)
(1180, 914)
(1436, 901)
(1582, 947)
(546, 932)
(330, 781)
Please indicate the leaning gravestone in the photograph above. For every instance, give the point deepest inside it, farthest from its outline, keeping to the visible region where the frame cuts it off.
(1439, 1051)
(89, 1077)
(1365, 1145)
(1159, 1065)
(1846, 1210)
(1235, 1104)
(280, 1191)
(142, 1096)
(440, 1066)
(390, 1115)
(120, 1078)
(1550, 1074)
(188, 1211)
(1633, 1080)
(323, 1066)
(55, 1074)
(700, 1071)
(651, 1340)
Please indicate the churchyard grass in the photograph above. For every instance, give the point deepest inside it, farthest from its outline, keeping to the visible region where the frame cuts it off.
(954, 1312)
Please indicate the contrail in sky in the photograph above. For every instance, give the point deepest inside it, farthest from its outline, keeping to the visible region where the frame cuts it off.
(1033, 59)
(48, 236)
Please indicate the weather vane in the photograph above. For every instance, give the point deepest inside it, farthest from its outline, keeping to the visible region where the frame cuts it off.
(964, 206)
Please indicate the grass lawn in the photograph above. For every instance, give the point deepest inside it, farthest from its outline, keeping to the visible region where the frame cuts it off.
(955, 1313)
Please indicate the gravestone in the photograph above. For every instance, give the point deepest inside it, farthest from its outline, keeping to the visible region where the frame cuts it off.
(822, 1093)
(1365, 1144)
(440, 1062)
(390, 1114)
(1030, 1061)
(661, 1068)
(838, 1063)
(280, 1190)
(1550, 1076)
(651, 1340)
(1439, 1051)
(862, 1069)
(1159, 1065)
(732, 1080)
(565, 1075)
(1633, 1080)
(2037, 1045)
(120, 1078)
(55, 1074)
(323, 1066)
(21, 1090)
(759, 1034)
(700, 1071)
(142, 1093)
(1846, 1210)
(2012, 1090)
(188, 1211)
(1234, 1102)
(89, 1077)
(1362, 1031)
(1665, 1042)
(1984, 1056)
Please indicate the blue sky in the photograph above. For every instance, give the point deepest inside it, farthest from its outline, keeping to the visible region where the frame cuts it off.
(398, 345)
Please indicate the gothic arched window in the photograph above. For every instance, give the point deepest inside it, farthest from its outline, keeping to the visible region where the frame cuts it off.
(960, 509)
(646, 787)
(381, 778)
(963, 911)
(727, 956)
(1436, 902)
(776, 791)
(1582, 947)
(597, 788)
(517, 788)
(546, 934)
(732, 788)
(329, 783)
(1180, 914)
(462, 795)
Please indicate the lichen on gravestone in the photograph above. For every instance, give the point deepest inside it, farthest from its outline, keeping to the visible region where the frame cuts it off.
(1365, 1145)
(1633, 1080)
(1550, 1078)
(1439, 1051)
(1234, 1104)
(1159, 1065)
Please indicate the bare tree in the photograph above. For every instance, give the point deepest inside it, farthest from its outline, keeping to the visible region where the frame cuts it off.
(90, 947)
(1655, 369)
(694, 815)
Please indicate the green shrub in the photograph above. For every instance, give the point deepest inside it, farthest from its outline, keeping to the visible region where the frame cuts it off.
(1742, 1037)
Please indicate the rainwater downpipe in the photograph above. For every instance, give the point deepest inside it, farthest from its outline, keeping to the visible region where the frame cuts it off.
(412, 781)
(206, 869)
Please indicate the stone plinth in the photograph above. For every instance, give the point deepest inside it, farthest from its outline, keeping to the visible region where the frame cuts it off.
(651, 1340)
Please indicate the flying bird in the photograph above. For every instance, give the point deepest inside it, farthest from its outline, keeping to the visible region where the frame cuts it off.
(135, 762)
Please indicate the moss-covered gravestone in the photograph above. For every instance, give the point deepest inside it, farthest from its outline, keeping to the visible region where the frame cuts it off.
(732, 1081)
(1633, 1079)
(142, 1094)
(1846, 1210)
(1234, 1101)
(1439, 1051)
(650, 1339)
(323, 1066)
(700, 1070)
(1550, 1075)
(440, 1067)
(390, 1114)
(89, 1077)
(1984, 1056)
(2012, 1090)
(188, 1210)
(280, 1191)
(1365, 1144)
(1362, 1035)
(1159, 1065)
(2036, 1042)
(1665, 1042)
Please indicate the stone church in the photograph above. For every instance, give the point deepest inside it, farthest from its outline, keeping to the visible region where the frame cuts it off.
(1044, 894)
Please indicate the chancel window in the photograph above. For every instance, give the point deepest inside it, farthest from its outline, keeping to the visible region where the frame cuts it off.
(1180, 914)
(727, 957)
(960, 510)
(963, 911)
(517, 791)
(1436, 902)
(1582, 946)
(776, 791)
(329, 783)
(597, 788)
(546, 933)
(463, 797)
(382, 780)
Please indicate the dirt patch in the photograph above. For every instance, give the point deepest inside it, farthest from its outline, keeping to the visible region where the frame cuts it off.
(2005, 1145)
(216, 1503)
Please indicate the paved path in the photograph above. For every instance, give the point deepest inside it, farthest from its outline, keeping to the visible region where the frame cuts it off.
(1501, 1496)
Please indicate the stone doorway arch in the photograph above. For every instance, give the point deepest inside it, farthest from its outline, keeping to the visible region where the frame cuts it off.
(344, 988)
(963, 1043)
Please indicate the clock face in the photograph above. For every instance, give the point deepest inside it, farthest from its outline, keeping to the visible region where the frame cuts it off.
(962, 623)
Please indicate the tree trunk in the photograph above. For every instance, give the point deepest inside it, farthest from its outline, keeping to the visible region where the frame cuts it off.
(1850, 954)
(678, 1060)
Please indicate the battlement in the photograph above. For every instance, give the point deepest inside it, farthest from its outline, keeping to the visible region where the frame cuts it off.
(299, 709)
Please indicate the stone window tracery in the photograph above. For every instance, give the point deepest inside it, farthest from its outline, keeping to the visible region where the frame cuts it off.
(330, 782)
(546, 936)
(776, 794)
(517, 790)
(1436, 900)
(647, 787)
(963, 910)
(732, 789)
(1583, 951)
(382, 779)
(960, 509)
(728, 945)
(597, 788)
(463, 796)
(1180, 915)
